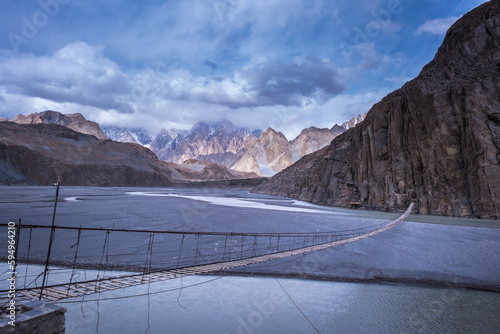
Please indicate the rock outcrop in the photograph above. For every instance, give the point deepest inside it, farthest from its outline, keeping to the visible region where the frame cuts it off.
(73, 121)
(435, 141)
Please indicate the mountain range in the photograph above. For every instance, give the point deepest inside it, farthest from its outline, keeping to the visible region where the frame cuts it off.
(223, 150)
(139, 136)
(223, 143)
(44, 153)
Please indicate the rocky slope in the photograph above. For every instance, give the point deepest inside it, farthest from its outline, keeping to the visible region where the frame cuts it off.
(166, 142)
(435, 141)
(46, 153)
(73, 121)
(312, 139)
(270, 154)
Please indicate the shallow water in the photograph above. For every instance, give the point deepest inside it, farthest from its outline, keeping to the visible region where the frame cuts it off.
(260, 305)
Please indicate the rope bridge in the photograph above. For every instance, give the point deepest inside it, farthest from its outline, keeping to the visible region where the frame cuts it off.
(151, 256)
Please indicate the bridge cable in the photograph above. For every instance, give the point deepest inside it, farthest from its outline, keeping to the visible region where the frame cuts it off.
(28, 258)
(106, 242)
(77, 244)
(182, 277)
(298, 308)
(151, 240)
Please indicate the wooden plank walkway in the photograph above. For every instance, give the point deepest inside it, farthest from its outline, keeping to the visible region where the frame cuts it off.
(78, 289)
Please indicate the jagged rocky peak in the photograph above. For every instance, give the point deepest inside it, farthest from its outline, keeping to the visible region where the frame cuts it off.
(313, 139)
(201, 128)
(270, 154)
(166, 141)
(128, 135)
(219, 129)
(221, 143)
(270, 133)
(225, 126)
(74, 121)
(353, 121)
(435, 141)
(119, 134)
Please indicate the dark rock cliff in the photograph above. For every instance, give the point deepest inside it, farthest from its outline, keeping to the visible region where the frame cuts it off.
(435, 141)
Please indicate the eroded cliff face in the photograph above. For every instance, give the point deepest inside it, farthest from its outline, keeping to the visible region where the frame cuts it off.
(435, 141)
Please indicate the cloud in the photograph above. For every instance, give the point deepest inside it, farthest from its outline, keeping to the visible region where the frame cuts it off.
(80, 78)
(437, 26)
(174, 63)
(287, 84)
(76, 73)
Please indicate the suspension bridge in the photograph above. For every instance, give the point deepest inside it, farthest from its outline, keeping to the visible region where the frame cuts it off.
(157, 256)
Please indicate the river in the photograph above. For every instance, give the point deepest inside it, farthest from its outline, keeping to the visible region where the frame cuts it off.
(433, 251)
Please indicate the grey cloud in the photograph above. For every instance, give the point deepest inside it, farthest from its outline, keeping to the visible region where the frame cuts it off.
(81, 75)
(277, 83)
(268, 83)
(77, 74)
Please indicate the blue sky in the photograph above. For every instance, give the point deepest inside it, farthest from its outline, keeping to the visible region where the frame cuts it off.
(286, 64)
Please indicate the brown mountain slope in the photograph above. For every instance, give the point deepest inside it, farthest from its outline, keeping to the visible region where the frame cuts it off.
(46, 153)
(73, 121)
(435, 141)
